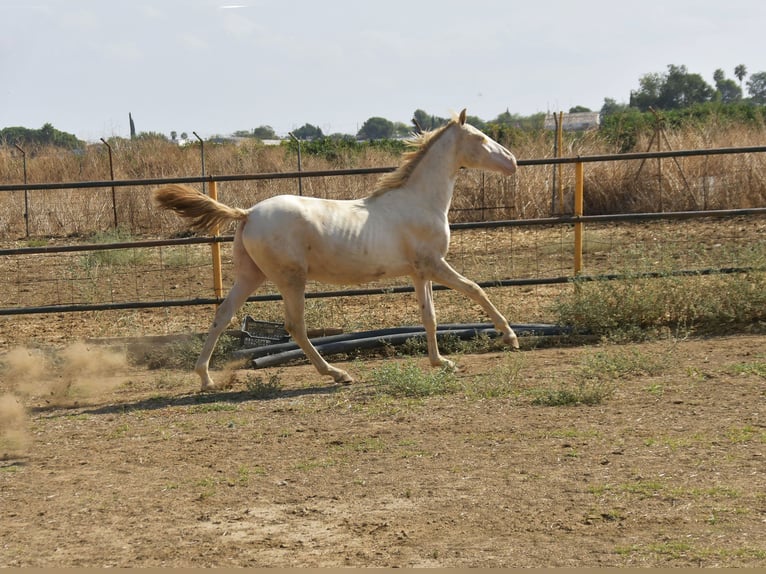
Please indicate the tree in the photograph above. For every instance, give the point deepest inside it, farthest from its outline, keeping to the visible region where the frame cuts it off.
(756, 87)
(726, 90)
(265, 133)
(740, 72)
(675, 89)
(308, 132)
(648, 94)
(426, 121)
(376, 128)
(579, 110)
(402, 130)
(682, 89)
(612, 107)
(45, 136)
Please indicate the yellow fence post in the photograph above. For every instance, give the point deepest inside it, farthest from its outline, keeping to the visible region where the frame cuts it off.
(578, 211)
(216, 249)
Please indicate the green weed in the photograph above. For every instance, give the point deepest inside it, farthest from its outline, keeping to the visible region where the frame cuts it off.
(406, 379)
(264, 389)
(637, 308)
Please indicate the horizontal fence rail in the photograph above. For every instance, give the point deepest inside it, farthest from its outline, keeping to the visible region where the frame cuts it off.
(577, 220)
(370, 170)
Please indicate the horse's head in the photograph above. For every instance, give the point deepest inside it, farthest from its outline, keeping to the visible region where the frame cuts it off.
(477, 150)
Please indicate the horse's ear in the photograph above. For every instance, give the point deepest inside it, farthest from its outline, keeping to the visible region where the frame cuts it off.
(462, 117)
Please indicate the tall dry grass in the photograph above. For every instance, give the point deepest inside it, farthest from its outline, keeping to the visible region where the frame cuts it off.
(731, 181)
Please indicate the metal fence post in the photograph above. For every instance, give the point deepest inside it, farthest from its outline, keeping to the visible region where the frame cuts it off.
(111, 175)
(578, 212)
(202, 156)
(300, 167)
(26, 192)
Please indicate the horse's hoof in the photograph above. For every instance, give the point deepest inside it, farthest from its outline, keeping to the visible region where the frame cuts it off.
(448, 365)
(511, 340)
(344, 379)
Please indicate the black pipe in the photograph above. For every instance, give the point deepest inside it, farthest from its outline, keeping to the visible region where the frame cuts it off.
(374, 339)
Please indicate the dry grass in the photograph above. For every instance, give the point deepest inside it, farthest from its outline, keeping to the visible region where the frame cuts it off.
(690, 183)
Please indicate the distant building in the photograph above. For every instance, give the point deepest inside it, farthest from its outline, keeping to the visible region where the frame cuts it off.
(579, 121)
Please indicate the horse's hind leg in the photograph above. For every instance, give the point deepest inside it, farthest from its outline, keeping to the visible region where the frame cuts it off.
(295, 324)
(237, 296)
(424, 293)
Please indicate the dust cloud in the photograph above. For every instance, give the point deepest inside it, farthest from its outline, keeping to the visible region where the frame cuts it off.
(59, 377)
(14, 427)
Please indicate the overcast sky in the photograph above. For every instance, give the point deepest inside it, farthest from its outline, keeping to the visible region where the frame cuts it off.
(217, 66)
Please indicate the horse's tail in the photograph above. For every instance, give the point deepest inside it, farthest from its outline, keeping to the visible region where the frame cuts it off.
(205, 213)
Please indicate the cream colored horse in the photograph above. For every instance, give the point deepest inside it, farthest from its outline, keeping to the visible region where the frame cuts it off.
(400, 229)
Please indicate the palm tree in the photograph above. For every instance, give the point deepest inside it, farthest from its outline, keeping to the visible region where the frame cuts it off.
(740, 72)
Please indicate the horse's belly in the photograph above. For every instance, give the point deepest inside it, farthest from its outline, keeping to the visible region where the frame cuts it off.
(350, 269)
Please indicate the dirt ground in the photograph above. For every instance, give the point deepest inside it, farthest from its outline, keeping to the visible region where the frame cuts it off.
(133, 467)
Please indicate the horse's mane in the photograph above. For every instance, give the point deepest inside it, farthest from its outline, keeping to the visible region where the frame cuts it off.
(419, 143)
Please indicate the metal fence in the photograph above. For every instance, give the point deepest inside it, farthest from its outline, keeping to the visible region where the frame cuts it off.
(86, 295)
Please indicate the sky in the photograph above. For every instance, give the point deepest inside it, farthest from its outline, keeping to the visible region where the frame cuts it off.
(219, 66)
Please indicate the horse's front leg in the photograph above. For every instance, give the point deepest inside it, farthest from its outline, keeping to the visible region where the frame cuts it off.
(425, 296)
(447, 276)
(295, 323)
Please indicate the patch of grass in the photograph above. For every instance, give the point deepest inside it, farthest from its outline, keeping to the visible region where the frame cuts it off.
(616, 363)
(583, 393)
(595, 378)
(315, 463)
(500, 381)
(681, 549)
(757, 368)
(406, 379)
(264, 389)
(638, 308)
(739, 435)
(113, 257)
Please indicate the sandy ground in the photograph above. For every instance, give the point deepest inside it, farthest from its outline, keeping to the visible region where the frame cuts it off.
(104, 462)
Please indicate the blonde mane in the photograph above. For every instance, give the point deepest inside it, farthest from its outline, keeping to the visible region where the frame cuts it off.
(420, 144)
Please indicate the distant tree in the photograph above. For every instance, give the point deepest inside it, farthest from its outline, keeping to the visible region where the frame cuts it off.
(675, 89)
(756, 87)
(132, 126)
(612, 107)
(579, 110)
(145, 136)
(727, 91)
(477, 122)
(506, 118)
(308, 132)
(376, 128)
(184, 136)
(682, 89)
(402, 130)
(45, 136)
(648, 94)
(265, 133)
(427, 121)
(740, 72)
(174, 135)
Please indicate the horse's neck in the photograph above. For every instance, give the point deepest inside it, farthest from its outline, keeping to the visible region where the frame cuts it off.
(433, 180)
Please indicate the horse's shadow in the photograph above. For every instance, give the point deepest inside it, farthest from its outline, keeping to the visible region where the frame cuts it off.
(188, 399)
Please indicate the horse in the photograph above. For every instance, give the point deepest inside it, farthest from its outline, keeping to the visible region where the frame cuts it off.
(400, 229)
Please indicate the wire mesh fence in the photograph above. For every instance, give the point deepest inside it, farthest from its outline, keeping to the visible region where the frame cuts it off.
(129, 281)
